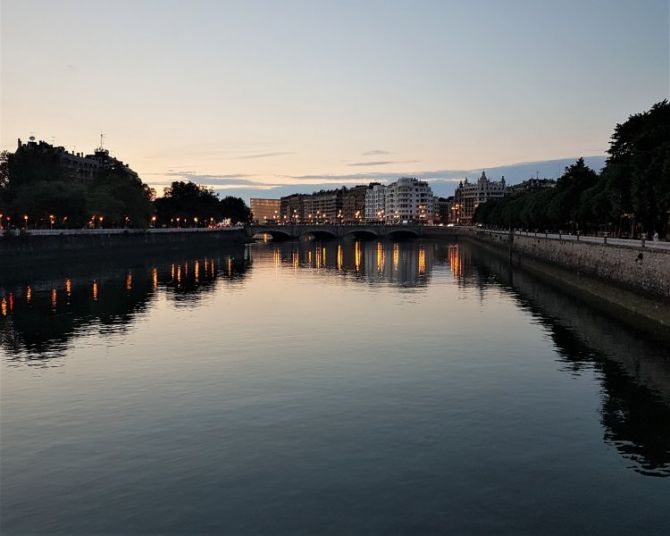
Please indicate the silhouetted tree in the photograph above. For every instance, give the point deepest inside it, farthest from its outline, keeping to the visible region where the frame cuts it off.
(637, 173)
(235, 209)
(631, 195)
(187, 201)
(120, 198)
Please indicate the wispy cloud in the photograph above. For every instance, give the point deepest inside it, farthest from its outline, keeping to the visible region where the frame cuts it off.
(209, 179)
(382, 163)
(172, 173)
(261, 155)
(375, 152)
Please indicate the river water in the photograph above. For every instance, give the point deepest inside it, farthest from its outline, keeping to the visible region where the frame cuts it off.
(357, 387)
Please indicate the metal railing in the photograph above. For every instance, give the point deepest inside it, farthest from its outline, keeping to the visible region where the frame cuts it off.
(605, 239)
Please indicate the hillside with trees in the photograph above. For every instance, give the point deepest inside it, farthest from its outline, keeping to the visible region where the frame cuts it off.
(38, 190)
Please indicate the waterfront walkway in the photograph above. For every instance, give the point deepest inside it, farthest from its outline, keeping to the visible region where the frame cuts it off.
(612, 241)
(335, 230)
(91, 232)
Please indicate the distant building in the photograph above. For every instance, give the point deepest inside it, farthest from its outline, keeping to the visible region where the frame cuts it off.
(67, 165)
(469, 195)
(265, 210)
(292, 208)
(532, 184)
(443, 206)
(323, 207)
(375, 203)
(353, 204)
(408, 199)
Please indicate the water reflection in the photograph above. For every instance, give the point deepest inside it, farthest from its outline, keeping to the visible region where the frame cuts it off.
(42, 314)
(401, 264)
(40, 319)
(634, 372)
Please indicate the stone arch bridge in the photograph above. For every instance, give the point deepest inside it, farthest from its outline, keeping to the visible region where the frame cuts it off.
(329, 231)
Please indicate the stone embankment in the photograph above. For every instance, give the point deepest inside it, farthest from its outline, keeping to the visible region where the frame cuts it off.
(30, 246)
(627, 278)
(637, 268)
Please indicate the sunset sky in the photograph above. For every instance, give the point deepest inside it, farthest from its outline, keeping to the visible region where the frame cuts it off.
(256, 98)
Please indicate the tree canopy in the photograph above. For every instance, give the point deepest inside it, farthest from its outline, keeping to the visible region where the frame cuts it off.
(192, 204)
(631, 195)
(33, 184)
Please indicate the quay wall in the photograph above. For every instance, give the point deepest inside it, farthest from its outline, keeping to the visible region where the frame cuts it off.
(18, 248)
(633, 283)
(636, 268)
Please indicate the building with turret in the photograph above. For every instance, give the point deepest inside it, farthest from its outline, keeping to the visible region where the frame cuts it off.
(469, 195)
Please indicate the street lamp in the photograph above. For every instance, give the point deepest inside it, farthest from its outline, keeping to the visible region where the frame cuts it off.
(52, 219)
(25, 219)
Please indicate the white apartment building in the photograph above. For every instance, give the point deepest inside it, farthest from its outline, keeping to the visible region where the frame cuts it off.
(408, 199)
(375, 203)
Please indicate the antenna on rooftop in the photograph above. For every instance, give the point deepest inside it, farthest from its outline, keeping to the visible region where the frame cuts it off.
(102, 137)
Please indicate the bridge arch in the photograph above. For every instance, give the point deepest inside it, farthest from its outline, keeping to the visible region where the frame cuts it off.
(276, 235)
(363, 234)
(320, 234)
(402, 233)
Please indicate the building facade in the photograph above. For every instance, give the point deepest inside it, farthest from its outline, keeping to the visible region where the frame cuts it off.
(353, 204)
(265, 210)
(292, 209)
(323, 207)
(469, 195)
(408, 200)
(375, 203)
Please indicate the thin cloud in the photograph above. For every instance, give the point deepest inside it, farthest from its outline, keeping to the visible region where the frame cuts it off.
(261, 155)
(174, 173)
(375, 152)
(231, 180)
(382, 163)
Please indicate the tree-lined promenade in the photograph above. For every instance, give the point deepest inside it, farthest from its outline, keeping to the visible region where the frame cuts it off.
(630, 197)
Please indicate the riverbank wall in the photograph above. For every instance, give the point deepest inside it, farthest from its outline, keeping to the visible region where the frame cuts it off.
(41, 246)
(632, 283)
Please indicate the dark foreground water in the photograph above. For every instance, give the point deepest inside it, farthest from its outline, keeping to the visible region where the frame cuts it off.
(338, 387)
